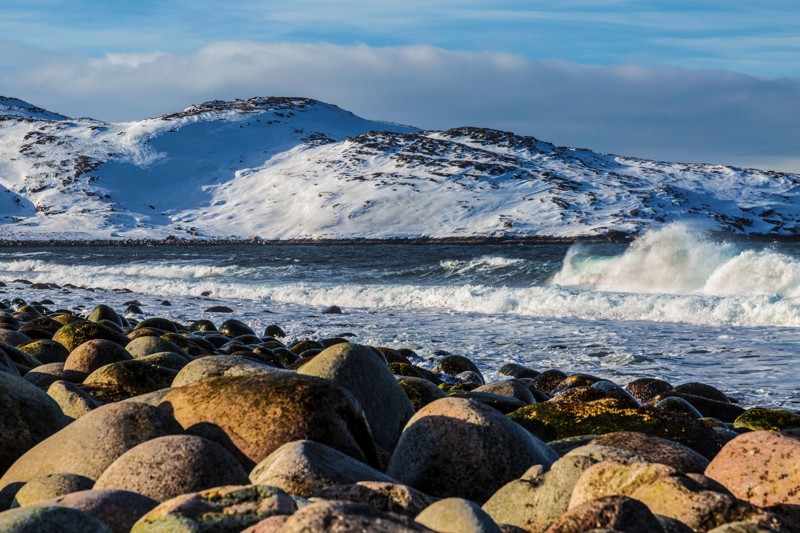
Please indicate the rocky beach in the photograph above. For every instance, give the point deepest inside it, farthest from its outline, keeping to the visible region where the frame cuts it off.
(117, 420)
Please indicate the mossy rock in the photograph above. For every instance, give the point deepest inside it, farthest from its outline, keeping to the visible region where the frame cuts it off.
(49, 487)
(104, 312)
(66, 318)
(219, 365)
(304, 345)
(758, 419)
(420, 391)
(149, 345)
(217, 510)
(72, 400)
(73, 335)
(552, 420)
(160, 323)
(254, 415)
(646, 389)
(132, 377)
(708, 407)
(46, 351)
(94, 354)
(575, 380)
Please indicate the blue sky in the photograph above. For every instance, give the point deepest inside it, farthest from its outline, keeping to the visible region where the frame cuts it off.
(697, 81)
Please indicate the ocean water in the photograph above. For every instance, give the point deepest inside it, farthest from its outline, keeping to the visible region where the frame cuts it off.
(674, 304)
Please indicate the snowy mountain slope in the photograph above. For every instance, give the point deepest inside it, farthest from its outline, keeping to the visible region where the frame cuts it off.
(286, 168)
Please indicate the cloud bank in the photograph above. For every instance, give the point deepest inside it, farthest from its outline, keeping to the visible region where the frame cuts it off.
(656, 112)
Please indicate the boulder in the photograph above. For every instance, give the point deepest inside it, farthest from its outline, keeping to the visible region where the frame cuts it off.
(95, 353)
(166, 467)
(383, 496)
(254, 415)
(761, 467)
(72, 400)
(219, 365)
(149, 345)
(348, 516)
(90, 444)
(458, 447)
(76, 333)
(118, 509)
(305, 467)
(50, 518)
(51, 486)
(617, 513)
(130, 378)
(363, 371)
(758, 419)
(656, 450)
(420, 391)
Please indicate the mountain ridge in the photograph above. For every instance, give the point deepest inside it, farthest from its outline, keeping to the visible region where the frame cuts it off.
(281, 168)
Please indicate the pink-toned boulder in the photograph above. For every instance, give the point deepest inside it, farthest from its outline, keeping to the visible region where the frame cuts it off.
(762, 467)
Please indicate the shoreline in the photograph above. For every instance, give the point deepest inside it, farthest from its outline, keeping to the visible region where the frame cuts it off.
(510, 240)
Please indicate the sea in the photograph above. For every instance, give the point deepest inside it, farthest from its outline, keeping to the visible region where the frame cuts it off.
(675, 303)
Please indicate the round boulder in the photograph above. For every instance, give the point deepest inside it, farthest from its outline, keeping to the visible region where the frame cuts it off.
(169, 466)
(252, 416)
(39, 519)
(456, 515)
(49, 487)
(76, 333)
(95, 353)
(458, 447)
(362, 371)
(118, 509)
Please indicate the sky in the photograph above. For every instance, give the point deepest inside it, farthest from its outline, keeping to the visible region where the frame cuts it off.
(701, 81)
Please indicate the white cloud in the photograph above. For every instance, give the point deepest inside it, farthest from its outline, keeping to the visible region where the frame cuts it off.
(666, 113)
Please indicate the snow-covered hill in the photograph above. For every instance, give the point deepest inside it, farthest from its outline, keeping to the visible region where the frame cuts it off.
(291, 168)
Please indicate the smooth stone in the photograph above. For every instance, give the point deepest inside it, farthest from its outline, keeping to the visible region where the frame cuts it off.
(453, 365)
(150, 345)
(219, 365)
(518, 371)
(72, 400)
(91, 443)
(656, 450)
(164, 324)
(50, 519)
(383, 496)
(761, 467)
(166, 467)
(14, 338)
(304, 467)
(457, 515)
(27, 417)
(46, 351)
(52, 486)
(548, 380)
(104, 312)
(270, 410)
(45, 375)
(95, 353)
(218, 510)
(646, 389)
(462, 448)
(615, 513)
(347, 516)
(701, 389)
(117, 509)
(509, 387)
(420, 391)
(234, 328)
(503, 403)
(725, 411)
(362, 371)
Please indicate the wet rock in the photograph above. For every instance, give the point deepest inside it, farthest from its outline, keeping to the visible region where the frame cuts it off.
(518, 371)
(27, 417)
(383, 496)
(219, 365)
(301, 346)
(504, 404)
(420, 391)
(548, 380)
(173, 361)
(452, 365)
(575, 380)
(724, 411)
(305, 467)
(348, 516)
(52, 486)
(617, 513)
(117, 509)
(14, 338)
(95, 353)
(332, 310)
(221, 510)
(46, 351)
(363, 372)
(269, 411)
(656, 450)
(758, 419)
(50, 518)
(202, 325)
(551, 420)
(457, 515)
(219, 309)
(703, 390)
(72, 400)
(762, 467)
(166, 467)
(130, 378)
(234, 328)
(430, 455)
(90, 444)
(274, 330)
(646, 389)
(76, 333)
